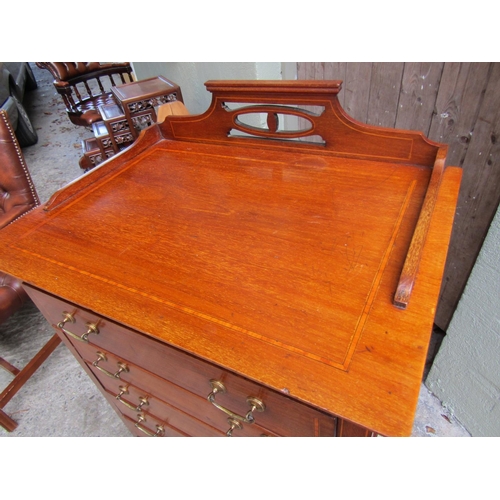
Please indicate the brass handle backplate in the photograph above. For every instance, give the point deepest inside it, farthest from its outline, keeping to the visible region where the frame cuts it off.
(70, 318)
(122, 367)
(235, 424)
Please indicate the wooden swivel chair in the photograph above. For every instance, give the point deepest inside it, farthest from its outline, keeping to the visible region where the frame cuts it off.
(17, 196)
(84, 86)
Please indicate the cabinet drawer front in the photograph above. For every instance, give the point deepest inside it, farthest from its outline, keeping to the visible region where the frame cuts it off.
(159, 411)
(149, 426)
(282, 415)
(163, 396)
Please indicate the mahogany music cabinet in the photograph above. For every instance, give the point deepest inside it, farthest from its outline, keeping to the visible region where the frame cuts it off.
(227, 275)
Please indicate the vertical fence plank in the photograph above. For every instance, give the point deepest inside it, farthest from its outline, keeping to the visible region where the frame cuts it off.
(384, 94)
(478, 200)
(461, 92)
(419, 91)
(356, 90)
(307, 71)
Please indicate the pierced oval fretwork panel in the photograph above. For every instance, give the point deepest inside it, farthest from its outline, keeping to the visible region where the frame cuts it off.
(278, 122)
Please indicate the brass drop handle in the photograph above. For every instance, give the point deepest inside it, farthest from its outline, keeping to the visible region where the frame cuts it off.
(122, 367)
(140, 419)
(143, 402)
(254, 403)
(70, 318)
(124, 390)
(235, 424)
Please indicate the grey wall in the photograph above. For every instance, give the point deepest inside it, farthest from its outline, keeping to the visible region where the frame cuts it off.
(191, 76)
(465, 375)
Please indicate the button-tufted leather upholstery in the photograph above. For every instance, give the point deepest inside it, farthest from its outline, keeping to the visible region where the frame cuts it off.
(17, 196)
(84, 86)
(17, 191)
(12, 296)
(67, 70)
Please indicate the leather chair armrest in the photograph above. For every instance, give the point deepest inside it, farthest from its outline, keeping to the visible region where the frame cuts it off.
(12, 296)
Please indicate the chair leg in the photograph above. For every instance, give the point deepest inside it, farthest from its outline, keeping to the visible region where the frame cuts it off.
(6, 422)
(10, 368)
(23, 376)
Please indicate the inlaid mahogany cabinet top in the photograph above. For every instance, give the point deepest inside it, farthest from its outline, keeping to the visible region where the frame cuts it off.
(272, 235)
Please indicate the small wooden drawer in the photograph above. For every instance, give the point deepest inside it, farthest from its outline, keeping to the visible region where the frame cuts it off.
(233, 394)
(123, 139)
(143, 119)
(102, 137)
(163, 397)
(132, 401)
(114, 119)
(143, 425)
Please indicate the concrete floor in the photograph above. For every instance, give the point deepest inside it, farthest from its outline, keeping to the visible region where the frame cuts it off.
(60, 400)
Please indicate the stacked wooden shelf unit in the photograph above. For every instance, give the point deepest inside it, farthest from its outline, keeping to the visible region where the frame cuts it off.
(134, 110)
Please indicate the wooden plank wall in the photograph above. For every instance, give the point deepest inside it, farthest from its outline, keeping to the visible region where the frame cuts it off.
(454, 103)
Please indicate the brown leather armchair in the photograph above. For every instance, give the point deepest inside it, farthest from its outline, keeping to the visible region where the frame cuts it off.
(84, 86)
(17, 196)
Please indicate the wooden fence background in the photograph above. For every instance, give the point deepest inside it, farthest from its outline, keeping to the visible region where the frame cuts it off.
(454, 103)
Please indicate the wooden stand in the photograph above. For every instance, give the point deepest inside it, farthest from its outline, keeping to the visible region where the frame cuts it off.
(228, 276)
(140, 99)
(122, 123)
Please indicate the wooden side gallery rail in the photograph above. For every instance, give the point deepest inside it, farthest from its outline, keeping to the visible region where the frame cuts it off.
(270, 267)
